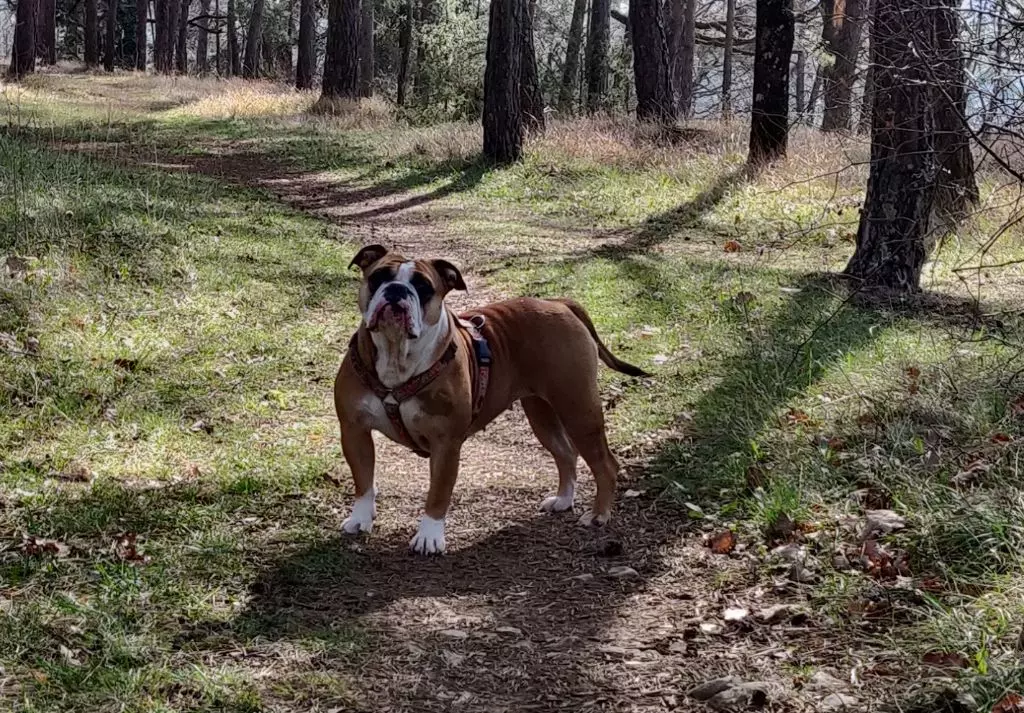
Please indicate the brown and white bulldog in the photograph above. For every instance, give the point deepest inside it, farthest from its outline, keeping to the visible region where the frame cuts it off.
(426, 378)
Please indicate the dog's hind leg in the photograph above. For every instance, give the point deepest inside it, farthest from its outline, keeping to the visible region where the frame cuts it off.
(551, 433)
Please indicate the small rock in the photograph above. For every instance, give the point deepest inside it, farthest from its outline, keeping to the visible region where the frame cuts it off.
(454, 634)
(585, 577)
(632, 494)
(747, 695)
(837, 702)
(777, 613)
(736, 614)
(713, 687)
(678, 647)
(823, 681)
(710, 627)
(622, 572)
(881, 521)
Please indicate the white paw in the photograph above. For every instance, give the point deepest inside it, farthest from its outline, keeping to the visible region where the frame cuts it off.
(364, 509)
(430, 538)
(557, 503)
(594, 519)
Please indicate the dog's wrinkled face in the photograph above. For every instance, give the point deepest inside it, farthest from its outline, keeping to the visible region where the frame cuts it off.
(400, 295)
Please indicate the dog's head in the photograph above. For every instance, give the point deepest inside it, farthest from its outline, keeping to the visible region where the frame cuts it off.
(403, 295)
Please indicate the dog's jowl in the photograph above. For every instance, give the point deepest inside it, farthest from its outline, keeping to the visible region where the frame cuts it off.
(428, 379)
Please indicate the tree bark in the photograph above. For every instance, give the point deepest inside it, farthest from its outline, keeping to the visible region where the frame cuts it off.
(571, 68)
(682, 44)
(405, 50)
(160, 35)
(894, 233)
(181, 44)
(110, 44)
(422, 81)
(366, 63)
(234, 63)
(531, 97)
(957, 190)
(867, 101)
(341, 65)
(502, 120)
(92, 33)
(141, 39)
(23, 52)
(769, 120)
(800, 93)
(730, 39)
(841, 29)
(655, 98)
(305, 69)
(598, 48)
(253, 42)
(46, 31)
(173, 15)
(203, 39)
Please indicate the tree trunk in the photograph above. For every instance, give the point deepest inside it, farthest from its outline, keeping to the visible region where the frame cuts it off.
(769, 119)
(682, 43)
(655, 100)
(366, 64)
(234, 64)
(503, 122)
(159, 35)
(305, 70)
(341, 65)
(957, 187)
(181, 45)
(23, 52)
(730, 39)
(216, 39)
(253, 42)
(893, 236)
(421, 83)
(110, 44)
(867, 101)
(46, 31)
(571, 68)
(405, 51)
(841, 29)
(92, 33)
(598, 48)
(141, 40)
(799, 70)
(531, 97)
(203, 40)
(173, 15)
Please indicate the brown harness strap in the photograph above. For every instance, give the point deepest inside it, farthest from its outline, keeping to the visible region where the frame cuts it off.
(393, 398)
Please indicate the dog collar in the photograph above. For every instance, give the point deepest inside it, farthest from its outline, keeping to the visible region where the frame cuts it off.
(392, 398)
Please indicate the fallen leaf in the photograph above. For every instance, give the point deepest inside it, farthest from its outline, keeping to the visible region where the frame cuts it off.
(882, 521)
(743, 298)
(632, 494)
(1010, 703)
(723, 543)
(913, 373)
(733, 246)
(126, 548)
(454, 634)
(69, 656)
(796, 416)
(945, 659)
(201, 425)
(659, 359)
(76, 473)
(40, 677)
(126, 364)
(509, 630)
(713, 687)
(1017, 406)
(39, 546)
(710, 627)
(1002, 438)
(622, 572)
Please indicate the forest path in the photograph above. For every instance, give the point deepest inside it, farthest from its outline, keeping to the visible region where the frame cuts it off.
(526, 611)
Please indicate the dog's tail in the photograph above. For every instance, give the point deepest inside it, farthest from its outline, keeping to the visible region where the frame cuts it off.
(612, 361)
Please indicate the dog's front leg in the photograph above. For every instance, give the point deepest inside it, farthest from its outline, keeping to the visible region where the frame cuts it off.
(444, 469)
(357, 445)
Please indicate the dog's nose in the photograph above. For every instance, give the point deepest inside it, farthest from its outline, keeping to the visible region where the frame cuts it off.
(396, 292)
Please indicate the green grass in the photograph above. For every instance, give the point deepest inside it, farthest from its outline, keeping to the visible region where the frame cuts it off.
(187, 334)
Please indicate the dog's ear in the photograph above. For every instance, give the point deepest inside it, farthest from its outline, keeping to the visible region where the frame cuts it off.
(368, 256)
(450, 274)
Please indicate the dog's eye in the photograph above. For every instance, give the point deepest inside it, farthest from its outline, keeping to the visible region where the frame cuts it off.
(378, 278)
(424, 290)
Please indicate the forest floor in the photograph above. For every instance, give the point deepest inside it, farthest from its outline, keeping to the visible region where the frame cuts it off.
(820, 494)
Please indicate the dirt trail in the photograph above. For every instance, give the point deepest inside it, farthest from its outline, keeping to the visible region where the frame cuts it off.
(525, 612)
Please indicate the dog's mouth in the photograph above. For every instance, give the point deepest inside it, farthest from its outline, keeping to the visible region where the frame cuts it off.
(393, 316)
